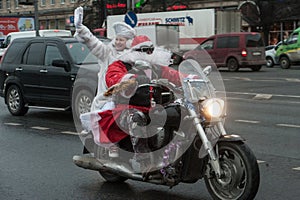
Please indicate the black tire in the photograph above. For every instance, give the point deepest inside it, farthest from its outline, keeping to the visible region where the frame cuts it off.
(232, 65)
(101, 152)
(256, 68)
(82, 102)
(15, 101)
(241, 178)
(270, 62)
(285, 62)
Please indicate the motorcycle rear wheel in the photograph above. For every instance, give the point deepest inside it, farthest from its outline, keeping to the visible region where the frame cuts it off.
(241, 173)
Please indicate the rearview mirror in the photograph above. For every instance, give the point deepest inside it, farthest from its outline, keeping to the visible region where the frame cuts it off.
(62, 63)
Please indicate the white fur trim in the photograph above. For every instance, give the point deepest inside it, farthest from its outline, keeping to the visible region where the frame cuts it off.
(147, 43)
(127, 77)
(124, 30)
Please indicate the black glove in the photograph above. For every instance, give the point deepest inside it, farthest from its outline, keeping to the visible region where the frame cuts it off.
(142, 79)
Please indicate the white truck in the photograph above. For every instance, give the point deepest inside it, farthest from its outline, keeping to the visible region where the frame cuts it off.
(194, 25)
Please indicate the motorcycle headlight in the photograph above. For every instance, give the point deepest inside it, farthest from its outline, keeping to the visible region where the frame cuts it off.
(213, 108)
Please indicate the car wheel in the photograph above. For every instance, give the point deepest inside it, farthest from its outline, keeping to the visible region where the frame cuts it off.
(232, 65)
(256, 68)
(15, 101)
(82, 103)
(270, 62)
(284, 62)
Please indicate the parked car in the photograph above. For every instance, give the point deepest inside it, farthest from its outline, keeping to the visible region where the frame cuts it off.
(231, 50)
(288, 53)
(271, 54)
(48, 72)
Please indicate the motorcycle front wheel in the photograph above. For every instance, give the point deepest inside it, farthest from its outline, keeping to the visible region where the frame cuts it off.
(240, 179)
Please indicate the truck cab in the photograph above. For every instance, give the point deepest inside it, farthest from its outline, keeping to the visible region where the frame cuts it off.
(289, 52)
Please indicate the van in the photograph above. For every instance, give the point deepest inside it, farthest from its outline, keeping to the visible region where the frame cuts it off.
(43, 33)
(232, 50)
(289, 52)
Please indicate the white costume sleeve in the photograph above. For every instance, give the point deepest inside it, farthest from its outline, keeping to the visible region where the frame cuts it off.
(98, 48)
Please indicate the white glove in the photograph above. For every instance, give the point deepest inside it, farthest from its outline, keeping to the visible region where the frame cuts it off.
(78, 16)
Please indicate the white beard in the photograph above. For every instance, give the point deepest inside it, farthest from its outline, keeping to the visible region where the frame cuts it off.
(159, 57)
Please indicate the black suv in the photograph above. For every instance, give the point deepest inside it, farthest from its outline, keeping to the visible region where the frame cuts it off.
(48, 72)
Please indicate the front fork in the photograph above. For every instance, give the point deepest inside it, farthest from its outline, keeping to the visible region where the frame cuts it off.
(214, 159)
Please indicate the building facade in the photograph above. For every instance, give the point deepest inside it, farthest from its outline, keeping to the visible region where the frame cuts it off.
(58, 14)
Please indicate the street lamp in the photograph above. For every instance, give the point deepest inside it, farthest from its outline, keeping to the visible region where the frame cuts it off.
(36, 13)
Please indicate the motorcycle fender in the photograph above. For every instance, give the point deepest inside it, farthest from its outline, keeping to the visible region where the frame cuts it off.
(231, 138)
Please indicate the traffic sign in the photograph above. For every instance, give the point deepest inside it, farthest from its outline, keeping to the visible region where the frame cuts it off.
(131, 19)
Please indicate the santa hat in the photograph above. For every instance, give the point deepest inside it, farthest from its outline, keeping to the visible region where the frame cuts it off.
(140, 40)
(124, 30)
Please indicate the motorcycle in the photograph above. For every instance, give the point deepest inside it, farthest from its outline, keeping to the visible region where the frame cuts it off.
(183, 131)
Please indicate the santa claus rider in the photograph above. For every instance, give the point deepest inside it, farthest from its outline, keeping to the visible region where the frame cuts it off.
(105, 127)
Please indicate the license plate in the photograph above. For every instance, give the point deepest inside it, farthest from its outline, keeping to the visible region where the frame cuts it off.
(256, 53)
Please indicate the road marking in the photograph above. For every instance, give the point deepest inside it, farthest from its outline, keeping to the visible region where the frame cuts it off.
(69, 133)
(13, 124)
(247, 121)
(289, 125)
(260, 161)
(293, 79)
(274, 95)
(262, 96)
(296, 168)
(242, 78)
(40, 128)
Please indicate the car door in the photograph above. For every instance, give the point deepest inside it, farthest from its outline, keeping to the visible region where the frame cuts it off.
(28, 72)
(221, 50)
(55, 82)
(292, 47)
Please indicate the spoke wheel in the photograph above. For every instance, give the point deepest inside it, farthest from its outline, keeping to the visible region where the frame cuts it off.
(240, 179)
(15, 101)
(82, 103)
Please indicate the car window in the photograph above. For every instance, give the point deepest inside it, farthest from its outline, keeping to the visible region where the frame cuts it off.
(80, 53)
(277, 45)
(269, 47)
(7, 41)
(52, 53)
(293, 39)
(254, 40)
(11, 54)
(34, 54)
(228, 42)
(209, 44)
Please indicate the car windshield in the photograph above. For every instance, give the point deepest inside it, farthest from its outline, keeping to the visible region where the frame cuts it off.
(80, 53)
(254, 40)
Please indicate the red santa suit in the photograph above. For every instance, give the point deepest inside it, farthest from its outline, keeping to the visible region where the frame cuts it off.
(120, 71)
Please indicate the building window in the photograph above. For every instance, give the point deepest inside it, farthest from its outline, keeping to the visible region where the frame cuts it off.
(43, 2)
(52, 2)
(62, 1)
(16, 3)
(7, 3)
(72, 1)
(1, 4)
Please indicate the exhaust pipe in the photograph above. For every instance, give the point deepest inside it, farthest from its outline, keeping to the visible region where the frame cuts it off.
(95, 164)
